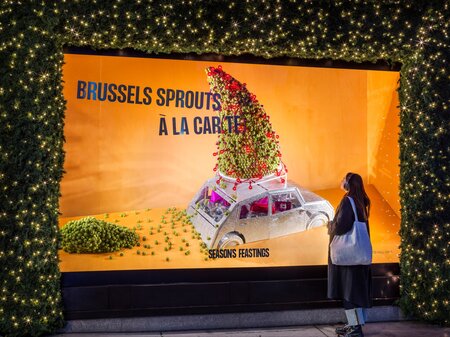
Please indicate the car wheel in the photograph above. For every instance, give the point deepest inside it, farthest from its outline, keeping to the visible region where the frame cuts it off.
(231, 240)
(317, 220)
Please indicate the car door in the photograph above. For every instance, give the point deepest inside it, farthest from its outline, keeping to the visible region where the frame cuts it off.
(287, 215)
(253, 218)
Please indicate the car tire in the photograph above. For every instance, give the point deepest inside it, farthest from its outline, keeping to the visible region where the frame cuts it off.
(231, 240)
(317, 220)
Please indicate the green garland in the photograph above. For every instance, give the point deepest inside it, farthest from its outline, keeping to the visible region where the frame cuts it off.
(32, 34)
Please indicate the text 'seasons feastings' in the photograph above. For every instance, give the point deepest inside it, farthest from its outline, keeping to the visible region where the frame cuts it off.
(238, 253)
(165, 97)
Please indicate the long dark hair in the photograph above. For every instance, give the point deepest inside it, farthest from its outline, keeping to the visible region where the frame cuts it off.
(355, 189)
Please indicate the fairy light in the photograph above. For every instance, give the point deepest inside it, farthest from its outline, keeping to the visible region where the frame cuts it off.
(32, 110)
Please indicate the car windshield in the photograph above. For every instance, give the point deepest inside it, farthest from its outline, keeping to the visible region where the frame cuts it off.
(213, 204)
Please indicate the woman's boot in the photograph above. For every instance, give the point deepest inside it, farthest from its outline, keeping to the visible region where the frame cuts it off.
(354, 331)
(342, 330)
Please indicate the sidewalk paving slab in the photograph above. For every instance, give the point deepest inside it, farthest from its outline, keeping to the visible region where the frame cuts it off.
(379, 329)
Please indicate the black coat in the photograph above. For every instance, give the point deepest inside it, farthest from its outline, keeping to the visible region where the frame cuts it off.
(350, 283)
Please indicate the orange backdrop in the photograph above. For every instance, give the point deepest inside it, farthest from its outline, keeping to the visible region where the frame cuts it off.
(330, 121)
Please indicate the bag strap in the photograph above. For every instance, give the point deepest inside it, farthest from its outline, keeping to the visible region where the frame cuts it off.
(353, 207)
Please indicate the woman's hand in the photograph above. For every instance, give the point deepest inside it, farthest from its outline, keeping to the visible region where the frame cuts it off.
(329, 225)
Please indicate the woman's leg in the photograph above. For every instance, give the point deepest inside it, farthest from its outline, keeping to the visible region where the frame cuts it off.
(355, 320)
(348, 305)
(349, 308)
(361, 314)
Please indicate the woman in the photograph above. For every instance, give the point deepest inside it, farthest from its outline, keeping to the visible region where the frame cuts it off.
(352, 284)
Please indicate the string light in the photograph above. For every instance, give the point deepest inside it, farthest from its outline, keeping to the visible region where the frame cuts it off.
(32, 117)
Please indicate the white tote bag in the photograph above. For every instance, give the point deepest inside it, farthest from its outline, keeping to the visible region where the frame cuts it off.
(354, 247)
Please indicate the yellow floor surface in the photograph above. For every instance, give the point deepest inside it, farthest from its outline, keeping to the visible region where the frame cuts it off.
(300, 249)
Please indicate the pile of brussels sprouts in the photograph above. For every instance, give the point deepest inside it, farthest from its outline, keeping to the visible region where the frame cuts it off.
(91, 235)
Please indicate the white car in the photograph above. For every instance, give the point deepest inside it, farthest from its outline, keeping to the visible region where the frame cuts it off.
(271, 208)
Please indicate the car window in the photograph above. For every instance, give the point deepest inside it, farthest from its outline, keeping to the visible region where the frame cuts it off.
(284, 201)
(255, 209)
(213, 204)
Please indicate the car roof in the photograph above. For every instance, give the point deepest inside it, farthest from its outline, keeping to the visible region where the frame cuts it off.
(243, 192)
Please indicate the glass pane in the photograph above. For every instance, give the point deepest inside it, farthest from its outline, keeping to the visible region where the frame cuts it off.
(284, 202)
(255, 209)
(213, 204)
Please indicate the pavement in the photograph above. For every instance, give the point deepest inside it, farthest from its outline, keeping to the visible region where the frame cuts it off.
(378, 329)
